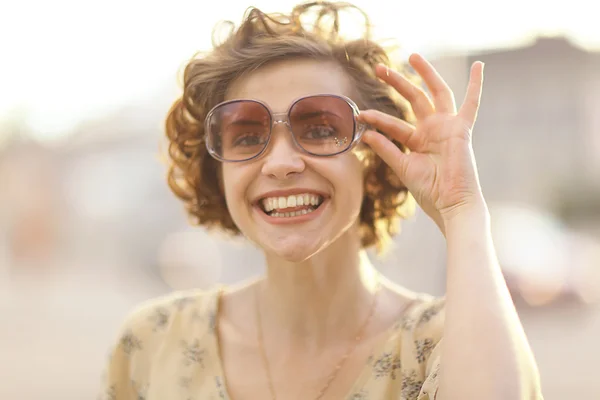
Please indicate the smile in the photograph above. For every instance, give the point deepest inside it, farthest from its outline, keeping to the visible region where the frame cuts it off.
(291, 206)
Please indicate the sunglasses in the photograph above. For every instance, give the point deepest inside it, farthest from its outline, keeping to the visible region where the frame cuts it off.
(323, 125)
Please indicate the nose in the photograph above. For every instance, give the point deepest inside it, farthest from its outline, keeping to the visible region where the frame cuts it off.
(283, 159)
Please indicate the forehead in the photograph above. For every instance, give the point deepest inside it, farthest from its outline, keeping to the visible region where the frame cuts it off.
(280, 83)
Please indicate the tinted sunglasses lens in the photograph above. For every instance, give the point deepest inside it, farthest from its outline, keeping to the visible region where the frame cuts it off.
(323, 125)
(239, 130)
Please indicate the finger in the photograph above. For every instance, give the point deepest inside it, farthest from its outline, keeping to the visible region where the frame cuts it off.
(398, 129)
(420, 103)
(388, 151)
(470, 107)
(443, 98)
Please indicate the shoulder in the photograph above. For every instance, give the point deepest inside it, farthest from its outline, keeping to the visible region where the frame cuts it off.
(178, 304)
(422, 330)
(421, 327)
(160, 319)
(425, 314)
(164, 331)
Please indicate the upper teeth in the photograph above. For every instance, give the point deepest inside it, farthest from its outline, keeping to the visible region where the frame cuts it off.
(306, 199)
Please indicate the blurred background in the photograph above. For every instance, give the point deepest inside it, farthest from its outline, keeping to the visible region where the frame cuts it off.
(88, 227)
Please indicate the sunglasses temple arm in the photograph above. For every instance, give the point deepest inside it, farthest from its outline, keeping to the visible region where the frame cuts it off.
(362, 128)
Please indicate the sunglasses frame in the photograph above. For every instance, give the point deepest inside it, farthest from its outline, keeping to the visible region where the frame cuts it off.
(284, 118)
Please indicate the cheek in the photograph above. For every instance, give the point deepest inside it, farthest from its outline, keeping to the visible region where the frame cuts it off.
(361, 170)
(360, 161)
(236, 180)
(352, 177)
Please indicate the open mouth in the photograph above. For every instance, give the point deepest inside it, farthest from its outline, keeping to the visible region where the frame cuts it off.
(290, 206)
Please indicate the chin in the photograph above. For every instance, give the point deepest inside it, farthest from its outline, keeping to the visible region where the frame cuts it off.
(293, 250)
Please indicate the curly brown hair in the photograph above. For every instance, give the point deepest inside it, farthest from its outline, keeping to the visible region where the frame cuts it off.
(312, 30)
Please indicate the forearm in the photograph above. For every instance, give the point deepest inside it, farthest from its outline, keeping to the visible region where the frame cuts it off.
(485, 353)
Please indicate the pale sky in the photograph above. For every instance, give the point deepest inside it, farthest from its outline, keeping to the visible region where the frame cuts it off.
(68, 60)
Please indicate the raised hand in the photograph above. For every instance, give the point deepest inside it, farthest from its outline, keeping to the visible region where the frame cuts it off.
(439, 170)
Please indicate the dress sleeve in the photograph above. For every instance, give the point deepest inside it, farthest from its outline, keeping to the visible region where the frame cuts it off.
(126, 374)
(148, 329)
(431, 383)
(117, 382)
(428, 332)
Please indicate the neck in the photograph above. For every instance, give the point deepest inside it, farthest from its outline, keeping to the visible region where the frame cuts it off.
(323, 299)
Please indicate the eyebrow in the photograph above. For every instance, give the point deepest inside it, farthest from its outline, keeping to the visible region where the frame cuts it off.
(245, 122)
(312, 114)
(300, 116)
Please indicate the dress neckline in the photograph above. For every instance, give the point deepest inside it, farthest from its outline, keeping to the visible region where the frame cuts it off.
(213, 307)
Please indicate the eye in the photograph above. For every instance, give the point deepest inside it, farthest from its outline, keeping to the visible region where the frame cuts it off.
(319, 131)
(249, 139)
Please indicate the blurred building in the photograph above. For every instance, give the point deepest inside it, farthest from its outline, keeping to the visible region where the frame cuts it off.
(537, 138)
(538, 100)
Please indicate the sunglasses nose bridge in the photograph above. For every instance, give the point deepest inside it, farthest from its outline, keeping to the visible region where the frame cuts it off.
(281, 118)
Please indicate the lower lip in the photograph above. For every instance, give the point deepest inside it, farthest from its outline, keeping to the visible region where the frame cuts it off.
(292, 220)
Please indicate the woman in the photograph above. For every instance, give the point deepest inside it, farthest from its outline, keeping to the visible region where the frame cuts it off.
(268, 141)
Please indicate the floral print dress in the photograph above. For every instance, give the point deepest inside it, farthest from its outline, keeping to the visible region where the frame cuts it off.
(168, 349)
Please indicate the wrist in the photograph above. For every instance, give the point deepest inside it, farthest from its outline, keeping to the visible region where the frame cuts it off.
(472, 216)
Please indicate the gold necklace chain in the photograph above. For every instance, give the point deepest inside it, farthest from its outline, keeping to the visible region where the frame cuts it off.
(358, 338)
